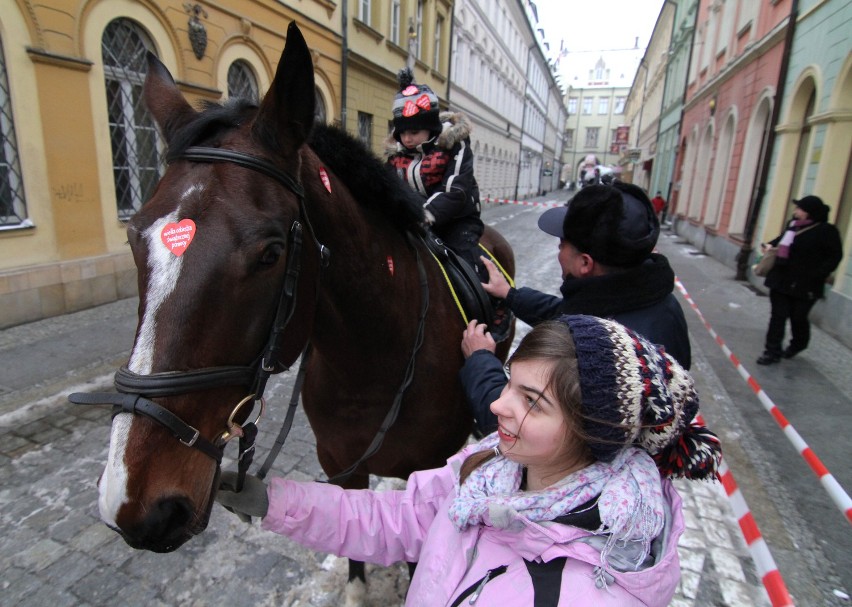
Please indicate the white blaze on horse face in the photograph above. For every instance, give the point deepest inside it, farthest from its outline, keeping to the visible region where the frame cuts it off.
(163, 274)
(112, 488)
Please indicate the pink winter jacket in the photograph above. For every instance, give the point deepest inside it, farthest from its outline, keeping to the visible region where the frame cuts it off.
(413, 525)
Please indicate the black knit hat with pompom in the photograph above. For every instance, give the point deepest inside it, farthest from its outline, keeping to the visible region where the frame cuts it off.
(415, 107)
(633, 393)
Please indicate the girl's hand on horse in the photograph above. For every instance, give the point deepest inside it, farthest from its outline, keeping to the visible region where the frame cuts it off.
(251, 501)
(476, 338)
(497, 285)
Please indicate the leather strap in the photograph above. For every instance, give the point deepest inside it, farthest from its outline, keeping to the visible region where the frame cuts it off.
(137, 404)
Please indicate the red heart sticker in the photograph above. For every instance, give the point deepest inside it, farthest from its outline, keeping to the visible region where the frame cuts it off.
(177, 236)
(409, 109)
(424, 102)
(325, 180)
(410, 90)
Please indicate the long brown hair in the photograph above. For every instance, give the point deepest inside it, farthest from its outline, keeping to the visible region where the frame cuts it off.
(552, 342)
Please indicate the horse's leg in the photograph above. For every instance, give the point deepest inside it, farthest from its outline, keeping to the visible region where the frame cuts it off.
(356, 584)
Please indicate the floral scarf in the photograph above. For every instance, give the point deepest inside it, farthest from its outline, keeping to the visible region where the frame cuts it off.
(787, 239)
(631, 500)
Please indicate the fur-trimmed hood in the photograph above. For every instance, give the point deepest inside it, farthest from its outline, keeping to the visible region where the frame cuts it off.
(456, 128)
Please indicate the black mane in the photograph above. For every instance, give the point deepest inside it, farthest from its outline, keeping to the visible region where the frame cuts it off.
(374, 183)
(213, 119)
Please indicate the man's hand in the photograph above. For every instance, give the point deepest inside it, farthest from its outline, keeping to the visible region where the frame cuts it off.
(497, 285)
(251, 501)
(475, 338)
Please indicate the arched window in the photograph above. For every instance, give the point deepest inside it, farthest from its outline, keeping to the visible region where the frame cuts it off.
(242, 82)
(320, 112)
(13, 210)
(136, 145)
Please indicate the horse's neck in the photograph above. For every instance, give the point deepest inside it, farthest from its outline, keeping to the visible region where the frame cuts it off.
(371, 288)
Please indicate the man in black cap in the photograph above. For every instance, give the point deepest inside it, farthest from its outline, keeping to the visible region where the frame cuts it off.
(607, 235)
(808, 251)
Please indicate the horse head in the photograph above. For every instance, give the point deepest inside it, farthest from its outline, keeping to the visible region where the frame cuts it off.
(221, 228)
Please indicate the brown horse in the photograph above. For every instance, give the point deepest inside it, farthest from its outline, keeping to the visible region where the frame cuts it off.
(232, 243)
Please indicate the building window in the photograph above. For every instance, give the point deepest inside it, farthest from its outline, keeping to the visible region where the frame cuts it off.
(137, 150)
(436, 59)
(320, 113)
(603, 105)
(620, 102)
(569, 138)
(13, 209)
(241, 81)
(587, 105)
(418, 50)
(394, 21)
(572, 105)
(365, 128)
(592, 137)
(364, 11)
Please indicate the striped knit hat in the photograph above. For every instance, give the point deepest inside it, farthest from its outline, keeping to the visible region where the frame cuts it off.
(633, 393)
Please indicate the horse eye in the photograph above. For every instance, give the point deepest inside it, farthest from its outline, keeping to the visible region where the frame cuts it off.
(271, 254)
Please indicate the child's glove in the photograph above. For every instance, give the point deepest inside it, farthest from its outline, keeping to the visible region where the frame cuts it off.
(251, 501)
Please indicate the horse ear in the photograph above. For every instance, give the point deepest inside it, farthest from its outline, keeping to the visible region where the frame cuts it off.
(286, 114)
(163, 99)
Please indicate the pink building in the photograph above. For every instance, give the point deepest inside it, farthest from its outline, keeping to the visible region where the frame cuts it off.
(731, 92)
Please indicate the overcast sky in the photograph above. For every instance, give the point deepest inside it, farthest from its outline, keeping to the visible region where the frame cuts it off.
(579, 27)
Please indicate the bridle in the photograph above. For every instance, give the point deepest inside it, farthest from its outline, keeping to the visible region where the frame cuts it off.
(134, 391)
(132, 388)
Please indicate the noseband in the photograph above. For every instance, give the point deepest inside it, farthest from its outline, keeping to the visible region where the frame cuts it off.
(132, 388)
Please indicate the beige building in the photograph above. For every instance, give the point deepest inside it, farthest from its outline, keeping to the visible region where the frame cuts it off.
(598, 85)
(645, 103)
(80, 153)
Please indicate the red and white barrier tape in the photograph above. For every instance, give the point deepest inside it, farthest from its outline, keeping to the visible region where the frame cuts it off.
(767, 570)
(834, 489)
(523, 202)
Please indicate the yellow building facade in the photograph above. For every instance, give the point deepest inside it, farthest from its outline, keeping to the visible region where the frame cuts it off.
(74, 131)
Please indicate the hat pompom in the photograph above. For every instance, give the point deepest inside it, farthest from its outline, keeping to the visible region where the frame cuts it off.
(405, 77)
(695, 455)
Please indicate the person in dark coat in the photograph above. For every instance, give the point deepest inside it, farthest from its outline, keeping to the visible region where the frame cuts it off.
(607, 235)
(808, 251)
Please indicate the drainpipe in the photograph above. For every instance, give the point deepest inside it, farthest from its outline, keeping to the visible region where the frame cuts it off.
(760, 188)
(344, 60)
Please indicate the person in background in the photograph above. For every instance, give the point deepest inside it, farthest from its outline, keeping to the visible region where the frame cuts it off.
(607, 235)
(809, 250)
(659, 203)
(568, 503)
(431, 152)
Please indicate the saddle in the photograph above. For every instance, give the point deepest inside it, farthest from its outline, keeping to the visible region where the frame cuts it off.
(466, 287)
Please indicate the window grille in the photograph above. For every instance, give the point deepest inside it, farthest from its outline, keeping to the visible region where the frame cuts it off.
(365, 128)
(13, 210)
(241, 81)
(320, 112)
(137, 149)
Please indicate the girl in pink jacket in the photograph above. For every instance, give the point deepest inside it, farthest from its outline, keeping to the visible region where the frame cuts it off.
(568, 503)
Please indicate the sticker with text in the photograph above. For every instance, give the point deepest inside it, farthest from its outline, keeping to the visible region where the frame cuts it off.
(177, 236)
(325, 180)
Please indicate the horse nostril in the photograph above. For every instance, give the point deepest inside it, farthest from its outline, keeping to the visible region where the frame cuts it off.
(166, 526)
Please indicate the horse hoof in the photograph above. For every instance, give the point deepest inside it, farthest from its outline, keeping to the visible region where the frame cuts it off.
(356, 593)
